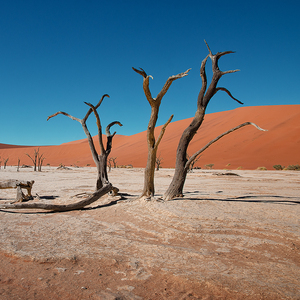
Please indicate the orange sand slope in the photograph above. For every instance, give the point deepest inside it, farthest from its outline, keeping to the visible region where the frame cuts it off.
(247, 148)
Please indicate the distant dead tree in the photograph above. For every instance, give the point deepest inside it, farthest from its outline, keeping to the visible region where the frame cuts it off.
(18, 164)
(182, 164)
(148, 190)
(99, 159)
(5, 160)
(37, 160)
(112, 162)
(158, 162)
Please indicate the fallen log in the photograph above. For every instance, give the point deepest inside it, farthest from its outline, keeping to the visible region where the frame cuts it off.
(19, 185)
(61, 207)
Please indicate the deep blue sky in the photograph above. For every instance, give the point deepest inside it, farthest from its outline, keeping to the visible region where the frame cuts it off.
(57, 54)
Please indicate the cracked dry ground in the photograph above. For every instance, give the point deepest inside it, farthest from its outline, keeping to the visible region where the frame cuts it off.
(230, 237)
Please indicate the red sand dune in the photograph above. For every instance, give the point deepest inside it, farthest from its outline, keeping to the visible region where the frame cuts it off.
(247, 148)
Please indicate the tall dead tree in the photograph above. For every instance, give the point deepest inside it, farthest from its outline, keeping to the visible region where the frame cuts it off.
(182, 163)
(148, 190)
(101, 158)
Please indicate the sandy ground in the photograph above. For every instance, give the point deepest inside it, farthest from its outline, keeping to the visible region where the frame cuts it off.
(230, 237)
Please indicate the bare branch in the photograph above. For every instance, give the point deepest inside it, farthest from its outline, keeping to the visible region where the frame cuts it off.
(230, 95)
(110, 136)
(96, 107)
(210, 53)
(194, 156)
(141, 72)
(204, 82)
(146, 85)
(162, 132)
(168, 84)
(107, 129)
(98, 125)
(65, 114)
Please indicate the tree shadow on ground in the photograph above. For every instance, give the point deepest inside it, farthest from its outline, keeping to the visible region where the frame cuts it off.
(286, 200)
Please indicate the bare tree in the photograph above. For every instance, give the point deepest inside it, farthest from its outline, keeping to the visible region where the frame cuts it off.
(36, 159)
(182, 163)
(18, 164)
(5, 162)
(99, 159)
(103, 186)
(158, 162)
(148, 190)
(114, 161)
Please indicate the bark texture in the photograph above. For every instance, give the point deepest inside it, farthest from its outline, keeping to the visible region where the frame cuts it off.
(149, 190)
(176, 187)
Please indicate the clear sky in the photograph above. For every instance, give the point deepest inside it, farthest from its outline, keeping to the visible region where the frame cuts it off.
(57, 54)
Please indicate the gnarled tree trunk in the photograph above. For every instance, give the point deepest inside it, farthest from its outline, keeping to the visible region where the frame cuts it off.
(149, 190)
(176, 187)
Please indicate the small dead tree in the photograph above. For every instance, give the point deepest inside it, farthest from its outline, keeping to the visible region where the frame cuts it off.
(114, 161)
(182, 164)
(18, 164)
(5, 160)
(148, 190)
(158, 162)
(99, 159)
(37, 160)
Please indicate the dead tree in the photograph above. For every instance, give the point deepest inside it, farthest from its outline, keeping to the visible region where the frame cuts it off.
(158, 162)
(114, 161)
(18, 164)
(5, 162)
(148, 190)
(99, 159)
(37, 160)
(181, 166)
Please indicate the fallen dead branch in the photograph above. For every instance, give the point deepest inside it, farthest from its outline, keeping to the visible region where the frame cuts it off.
(60, 207)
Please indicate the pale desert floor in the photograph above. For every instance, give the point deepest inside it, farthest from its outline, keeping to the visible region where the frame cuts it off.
(230, 237)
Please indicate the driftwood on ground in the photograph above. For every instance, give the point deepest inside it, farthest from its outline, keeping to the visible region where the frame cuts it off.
(19, 185)
(61, 207)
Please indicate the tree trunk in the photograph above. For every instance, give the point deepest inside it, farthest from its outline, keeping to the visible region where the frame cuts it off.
(175, 188)
(149, 189)
(102, 177)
